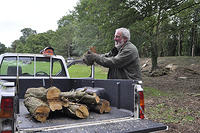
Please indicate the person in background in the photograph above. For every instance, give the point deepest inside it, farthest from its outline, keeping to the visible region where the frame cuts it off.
(122, 60)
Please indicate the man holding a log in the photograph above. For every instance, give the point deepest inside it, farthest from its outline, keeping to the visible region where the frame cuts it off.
(122, 60)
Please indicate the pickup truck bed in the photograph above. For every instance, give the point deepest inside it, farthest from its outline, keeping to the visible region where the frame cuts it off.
(118, 120)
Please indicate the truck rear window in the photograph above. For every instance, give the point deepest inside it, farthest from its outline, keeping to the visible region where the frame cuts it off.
(26, 64)
(28, 67)
(42, 66)
(8, 66)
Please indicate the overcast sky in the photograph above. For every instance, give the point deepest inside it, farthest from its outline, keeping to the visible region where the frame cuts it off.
(39, 15)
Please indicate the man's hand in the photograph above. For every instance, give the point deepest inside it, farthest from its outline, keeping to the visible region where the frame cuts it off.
(114, 51)
(89, 58)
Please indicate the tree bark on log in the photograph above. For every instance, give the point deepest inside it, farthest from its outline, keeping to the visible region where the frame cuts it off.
(80, 97)
(50, 95)
(90, 90)
(102, 107)
(39, 93)
(76, 110)
(37, 108)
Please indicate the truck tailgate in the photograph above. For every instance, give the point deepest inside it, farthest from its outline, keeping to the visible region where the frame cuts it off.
(118, 120)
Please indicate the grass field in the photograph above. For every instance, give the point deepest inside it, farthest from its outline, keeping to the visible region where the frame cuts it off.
(80, 71)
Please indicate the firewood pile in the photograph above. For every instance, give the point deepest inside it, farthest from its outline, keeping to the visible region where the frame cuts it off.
(40, 102)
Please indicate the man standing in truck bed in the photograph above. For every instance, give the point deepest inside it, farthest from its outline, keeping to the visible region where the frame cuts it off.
(122, 60)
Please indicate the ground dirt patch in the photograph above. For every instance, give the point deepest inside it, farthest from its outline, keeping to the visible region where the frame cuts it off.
(177, 89)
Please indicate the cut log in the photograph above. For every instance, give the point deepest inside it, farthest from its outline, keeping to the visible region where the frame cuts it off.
(107, 106)
(37, 108)
(80, 97)
(50, 95)
(102, 107)
(76, 110)
(94, 90)
(53, 98)
(53, 93)
(39, 93)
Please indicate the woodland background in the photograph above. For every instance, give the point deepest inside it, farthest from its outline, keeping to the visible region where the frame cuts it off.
(158, 28)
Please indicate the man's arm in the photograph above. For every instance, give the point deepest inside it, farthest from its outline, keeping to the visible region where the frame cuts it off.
(112, 53)
(124, 57)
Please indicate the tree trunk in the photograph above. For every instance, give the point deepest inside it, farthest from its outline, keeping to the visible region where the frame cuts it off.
(154, 49)
(154, 57)
(194, 39)
(194, 30)
(180, 43)
(38, 109)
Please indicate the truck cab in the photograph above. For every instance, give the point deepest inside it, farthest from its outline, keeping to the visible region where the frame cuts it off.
(18, 72)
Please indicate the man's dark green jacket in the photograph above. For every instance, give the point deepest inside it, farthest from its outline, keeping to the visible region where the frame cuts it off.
(123, 65)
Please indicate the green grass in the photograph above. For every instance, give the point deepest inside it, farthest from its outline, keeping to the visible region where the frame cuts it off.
(168, 114)
(81, 71)
(148, 91)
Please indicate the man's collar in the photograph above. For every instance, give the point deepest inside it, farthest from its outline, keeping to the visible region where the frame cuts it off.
(120, 48)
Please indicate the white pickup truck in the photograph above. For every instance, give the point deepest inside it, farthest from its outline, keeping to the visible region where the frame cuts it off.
(21, 71)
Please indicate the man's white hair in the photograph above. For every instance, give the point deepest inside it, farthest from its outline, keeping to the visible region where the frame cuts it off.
(125, 32)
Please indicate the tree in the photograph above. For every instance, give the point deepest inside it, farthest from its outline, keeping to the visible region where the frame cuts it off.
(96, 22)
(2, 48)
(35, 43)
(26, 32)
(62, 40)
(158, 11)
(19, 45)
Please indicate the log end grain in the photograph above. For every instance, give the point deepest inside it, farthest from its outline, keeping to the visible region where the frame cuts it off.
(55, 105)
(41, 113)
(82, 112)
(53, 93)
(106, 104)
(107, 109)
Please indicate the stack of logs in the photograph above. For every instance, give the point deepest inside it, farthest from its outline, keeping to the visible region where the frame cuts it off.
(41, 101)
